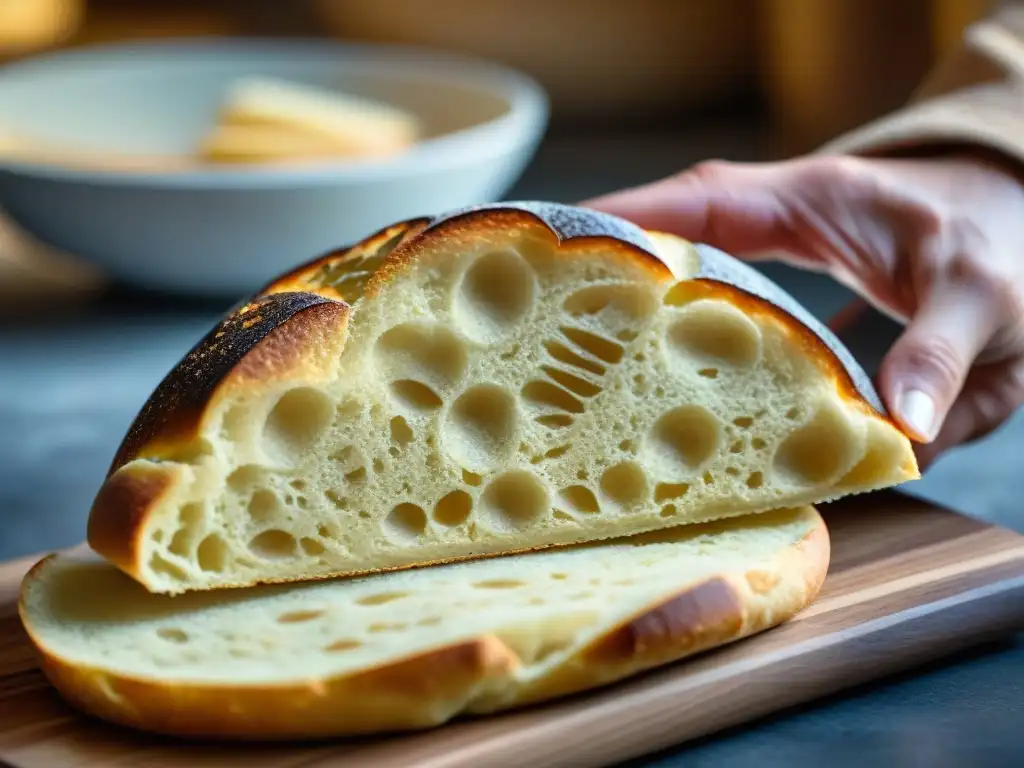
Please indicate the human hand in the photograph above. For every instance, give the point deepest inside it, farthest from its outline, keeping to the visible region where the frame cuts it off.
(937, 243)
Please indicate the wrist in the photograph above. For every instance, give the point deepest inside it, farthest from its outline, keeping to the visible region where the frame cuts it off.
(980, 155)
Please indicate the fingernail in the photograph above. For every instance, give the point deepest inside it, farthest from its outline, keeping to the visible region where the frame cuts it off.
(917, 410)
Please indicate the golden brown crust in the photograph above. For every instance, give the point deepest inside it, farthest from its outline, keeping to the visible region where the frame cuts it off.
(419, 692)
(476, 676)
(815, 552)
(121, 510)
(581, 232)
(707, 613)
(761, 582)
(703, 616)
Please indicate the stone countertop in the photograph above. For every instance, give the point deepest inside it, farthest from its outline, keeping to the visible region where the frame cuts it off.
(71, 383)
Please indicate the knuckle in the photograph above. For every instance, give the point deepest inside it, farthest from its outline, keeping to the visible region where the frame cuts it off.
(923, 272)
(845, 167)
(931, 226)
(937, 359)
(1015, 312)
(992, 398)
(944, 231)
(708, 171)
(988, 279)
(981, 274)
(991, 408)
(1012, 389)
(1006, 343)
(842, 180)
(994, 405)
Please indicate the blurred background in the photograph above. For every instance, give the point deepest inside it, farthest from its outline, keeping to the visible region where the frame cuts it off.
(807, 69)
(636, 89)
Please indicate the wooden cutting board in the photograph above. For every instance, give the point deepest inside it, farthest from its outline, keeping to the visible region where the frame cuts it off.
(908, 583)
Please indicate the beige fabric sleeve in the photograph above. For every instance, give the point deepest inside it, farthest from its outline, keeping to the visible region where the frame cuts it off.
(975, 97)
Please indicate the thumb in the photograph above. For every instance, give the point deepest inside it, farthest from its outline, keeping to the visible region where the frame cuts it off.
(924, 371)
(733, 207)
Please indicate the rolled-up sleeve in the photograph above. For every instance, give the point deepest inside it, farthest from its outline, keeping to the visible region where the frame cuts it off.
(973, 97)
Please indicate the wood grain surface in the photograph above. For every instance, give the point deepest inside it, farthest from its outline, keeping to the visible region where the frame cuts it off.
(908, 583)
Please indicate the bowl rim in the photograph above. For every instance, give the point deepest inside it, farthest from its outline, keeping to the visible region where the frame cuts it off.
(522, 124)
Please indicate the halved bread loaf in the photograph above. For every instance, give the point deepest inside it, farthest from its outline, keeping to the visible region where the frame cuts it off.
(415, 648)
(500, 379)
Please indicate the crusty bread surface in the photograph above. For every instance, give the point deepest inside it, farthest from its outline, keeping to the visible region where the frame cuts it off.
(415, 648)
(500, 379)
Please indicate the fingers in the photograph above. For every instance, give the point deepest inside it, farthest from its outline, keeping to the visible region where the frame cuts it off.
(925, 369)
(848, 315)
(803, 209)
(990, 396)
(734, 207)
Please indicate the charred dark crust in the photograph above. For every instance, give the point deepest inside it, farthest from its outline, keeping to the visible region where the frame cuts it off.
(705, 615)
(174, 410)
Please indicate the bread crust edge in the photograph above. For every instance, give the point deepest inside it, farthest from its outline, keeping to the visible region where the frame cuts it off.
(136, 485)
(472, 677)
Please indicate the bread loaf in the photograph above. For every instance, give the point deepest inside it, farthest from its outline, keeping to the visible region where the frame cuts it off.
(415, 648)
(501, 379)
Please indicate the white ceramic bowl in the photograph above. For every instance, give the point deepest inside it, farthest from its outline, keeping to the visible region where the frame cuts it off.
(225, 231)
